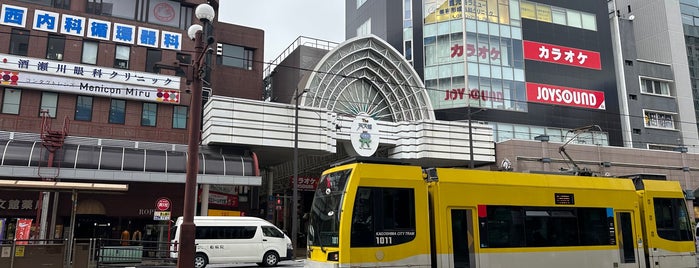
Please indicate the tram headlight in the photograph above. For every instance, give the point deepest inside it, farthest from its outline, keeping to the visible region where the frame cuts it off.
(334, 256)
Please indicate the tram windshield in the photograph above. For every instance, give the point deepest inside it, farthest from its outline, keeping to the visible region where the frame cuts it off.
(324, 226)
(672, 219)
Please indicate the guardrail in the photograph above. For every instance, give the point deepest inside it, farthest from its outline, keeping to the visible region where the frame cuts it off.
(85, 253)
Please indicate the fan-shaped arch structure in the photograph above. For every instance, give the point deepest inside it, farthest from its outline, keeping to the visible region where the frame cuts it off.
(366, 75)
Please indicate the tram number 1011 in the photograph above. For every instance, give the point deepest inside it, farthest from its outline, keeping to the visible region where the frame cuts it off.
(384, 240)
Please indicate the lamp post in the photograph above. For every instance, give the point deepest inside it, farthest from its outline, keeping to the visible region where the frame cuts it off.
(295, 190)
(205, 13)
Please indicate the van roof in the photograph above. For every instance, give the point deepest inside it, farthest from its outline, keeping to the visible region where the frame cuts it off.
(226, 219)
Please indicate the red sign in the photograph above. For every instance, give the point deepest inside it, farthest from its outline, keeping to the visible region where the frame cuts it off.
(475, 94)
(566, 96)
(561, 55)
(23, 230)
(305, 183)
(163, 204)
(222, 199)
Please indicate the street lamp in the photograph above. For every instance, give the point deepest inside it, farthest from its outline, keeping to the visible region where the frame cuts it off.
(205, 13)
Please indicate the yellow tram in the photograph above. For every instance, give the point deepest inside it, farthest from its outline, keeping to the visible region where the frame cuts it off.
(383, 215)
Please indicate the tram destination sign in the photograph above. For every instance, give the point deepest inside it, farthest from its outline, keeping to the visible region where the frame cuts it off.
(564, 199)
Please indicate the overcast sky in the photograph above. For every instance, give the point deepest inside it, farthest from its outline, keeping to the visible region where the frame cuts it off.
(285, 20)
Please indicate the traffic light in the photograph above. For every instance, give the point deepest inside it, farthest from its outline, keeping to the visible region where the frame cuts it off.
(278, 202)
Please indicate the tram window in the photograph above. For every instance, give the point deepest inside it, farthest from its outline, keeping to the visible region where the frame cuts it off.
(382, 217)
(594, 227)
(672, 220)
(507, 226)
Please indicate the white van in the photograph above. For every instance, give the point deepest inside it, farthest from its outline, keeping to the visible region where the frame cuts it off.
(235, 239)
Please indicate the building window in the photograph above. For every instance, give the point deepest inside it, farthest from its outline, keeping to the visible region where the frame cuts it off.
(125, 9)
(179, 117)
(90, 49)
(11, 100)
(121, 58)
(655, 87)
(360, 3)
(49, 102)
(55, 47)
(655, 119)
(117, 112)
(149, 114)
(64, 4)
(153, 56)
(236, 56)
(19, 42)
(365, 28)
(83, 109)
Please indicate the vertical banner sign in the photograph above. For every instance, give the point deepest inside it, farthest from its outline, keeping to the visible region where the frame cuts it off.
(2, 228)
(23, 230)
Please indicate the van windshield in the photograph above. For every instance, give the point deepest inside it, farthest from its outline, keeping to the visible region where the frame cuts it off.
(323, 229)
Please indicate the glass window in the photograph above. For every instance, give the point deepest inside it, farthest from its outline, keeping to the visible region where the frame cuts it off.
(236, 56)
(360, 3)
(365, 28)
(511, 226)
(83, 108)
(270, 231)
(179, 117)
(380, 210)
(574, 19)
(121, 58)
(588, 21)
(672, 219)
(149, 114)
(55, 47)
(125, 9)
(64, 4)
(658, 120)
(19, 42)
(655, 87)
(558, 16)
(11, 100)
(153, 56)
(90, 50)
(49, 102)
(117, 112)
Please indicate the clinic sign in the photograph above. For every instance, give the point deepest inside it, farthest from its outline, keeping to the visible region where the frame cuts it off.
(66, 24)
(26, 72)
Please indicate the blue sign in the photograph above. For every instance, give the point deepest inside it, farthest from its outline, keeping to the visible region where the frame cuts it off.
(171, 40)
(147, 37)
(73, 25)
(46, 21)
(99, 29)
(13, 16)
(124, 33)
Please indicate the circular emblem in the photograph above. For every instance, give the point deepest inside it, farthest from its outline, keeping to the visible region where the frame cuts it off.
(164, 12)
(364, 135)
(163, 204)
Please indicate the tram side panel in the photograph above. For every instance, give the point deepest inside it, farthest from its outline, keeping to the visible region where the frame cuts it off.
(505, 212)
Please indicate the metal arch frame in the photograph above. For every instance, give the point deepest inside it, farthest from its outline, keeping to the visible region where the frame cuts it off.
(372, 58)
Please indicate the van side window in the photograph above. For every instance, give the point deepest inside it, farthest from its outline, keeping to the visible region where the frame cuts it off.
(233, 232)
(270, 231)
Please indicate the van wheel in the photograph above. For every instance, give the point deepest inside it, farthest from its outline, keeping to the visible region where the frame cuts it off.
(200, 260)
(270, 259)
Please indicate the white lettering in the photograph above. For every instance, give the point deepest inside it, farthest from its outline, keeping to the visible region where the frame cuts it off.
(566, 96)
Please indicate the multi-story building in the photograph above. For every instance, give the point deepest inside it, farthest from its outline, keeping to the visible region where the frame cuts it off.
(544, 69)
(103, 78)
